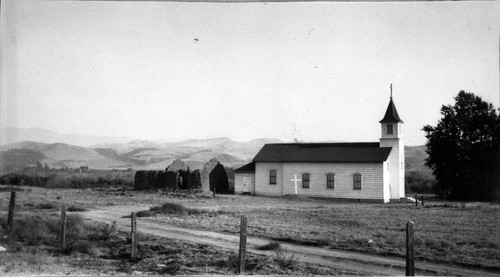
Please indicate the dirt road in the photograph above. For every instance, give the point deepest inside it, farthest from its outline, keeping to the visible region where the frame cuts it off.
(365, 264)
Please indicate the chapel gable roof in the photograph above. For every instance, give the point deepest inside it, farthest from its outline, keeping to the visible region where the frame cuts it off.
(391, 114)
(246, 168)
(368, 152)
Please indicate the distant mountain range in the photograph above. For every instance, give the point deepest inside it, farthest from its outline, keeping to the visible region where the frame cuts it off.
(40, 145)
(11, 135)
(121, 153)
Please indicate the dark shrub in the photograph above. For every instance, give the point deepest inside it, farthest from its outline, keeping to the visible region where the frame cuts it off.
(145, 213)
(233, 262)
(33, 230)
(273, 245)
(81, 246)
(46, 206)
(75, 209)
(284, 260)
(102, 231)
(170, 208)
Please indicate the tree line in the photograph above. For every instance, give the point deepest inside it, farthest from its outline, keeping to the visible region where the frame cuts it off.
(464, 150)
(75, 178)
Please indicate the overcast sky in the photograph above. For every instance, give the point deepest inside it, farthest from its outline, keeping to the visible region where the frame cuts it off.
(306, 71)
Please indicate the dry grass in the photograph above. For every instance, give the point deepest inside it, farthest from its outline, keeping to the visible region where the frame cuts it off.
(460, 233)
(100, 249)
(102, 231)
(284, 259)
(43, 229)
(463, 234)
(171, 208)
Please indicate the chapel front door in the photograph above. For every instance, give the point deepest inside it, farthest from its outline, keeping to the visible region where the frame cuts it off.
(246, 183)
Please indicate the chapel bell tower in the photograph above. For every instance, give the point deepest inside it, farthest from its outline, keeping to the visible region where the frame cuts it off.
(392, 137)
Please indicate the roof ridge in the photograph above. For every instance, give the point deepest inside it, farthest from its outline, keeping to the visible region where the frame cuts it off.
(317, 152)
(300, 143)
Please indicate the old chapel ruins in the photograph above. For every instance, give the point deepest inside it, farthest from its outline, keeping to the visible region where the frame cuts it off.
(178, 176)
(359, 171)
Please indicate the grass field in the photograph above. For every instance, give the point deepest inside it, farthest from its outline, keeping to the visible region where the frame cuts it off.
(465, 234)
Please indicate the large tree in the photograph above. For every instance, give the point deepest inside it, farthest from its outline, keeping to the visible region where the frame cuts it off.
(464, 150)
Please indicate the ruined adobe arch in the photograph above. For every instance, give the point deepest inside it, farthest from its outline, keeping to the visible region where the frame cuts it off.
(214, 175)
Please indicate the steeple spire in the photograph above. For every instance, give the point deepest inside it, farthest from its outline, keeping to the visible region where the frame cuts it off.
(391, 114)
(392, 136)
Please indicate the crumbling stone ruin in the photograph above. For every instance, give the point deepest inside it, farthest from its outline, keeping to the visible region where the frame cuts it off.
(150, 179)
(209, 166)
(176, 176)
(214, 175)
(195, 179)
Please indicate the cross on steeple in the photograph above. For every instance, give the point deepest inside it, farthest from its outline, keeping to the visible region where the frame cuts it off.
(391, 115)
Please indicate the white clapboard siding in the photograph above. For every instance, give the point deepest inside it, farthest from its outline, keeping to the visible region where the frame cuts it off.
(372, 176)
(387, 188)
(401, 169)
(238, 183)
(262, 186)
(396, 164)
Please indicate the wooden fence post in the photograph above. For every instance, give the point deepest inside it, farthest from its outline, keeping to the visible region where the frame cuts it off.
(133, 228)
(12, 204)
(63, 227)
(422, 198)
(243, 243)
(410, 250)
(214, 192)
(416, 199)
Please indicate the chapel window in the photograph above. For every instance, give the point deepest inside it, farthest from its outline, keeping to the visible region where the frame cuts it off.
(272, 177)
(330, 181)
(390, 129)
(357, 181)
(305, 180)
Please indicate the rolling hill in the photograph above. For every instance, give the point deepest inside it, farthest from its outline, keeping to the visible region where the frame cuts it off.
(150, 155)
(10, 135)
(134, 154)
(415, 159)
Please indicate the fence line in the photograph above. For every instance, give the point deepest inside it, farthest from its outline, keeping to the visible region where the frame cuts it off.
(243, 244)
(410, 249)
(63, 227)
(133, 230)
(12, 204)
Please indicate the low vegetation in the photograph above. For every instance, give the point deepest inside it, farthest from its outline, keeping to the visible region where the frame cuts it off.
(69, 179)
(171, 208)
(35, 239)
(75, 209)
(419, 182)
(464, 234)
(273, 245)
(284, 259)
(45, 229)
(46, 206)
(460, 233)
(104, 232)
